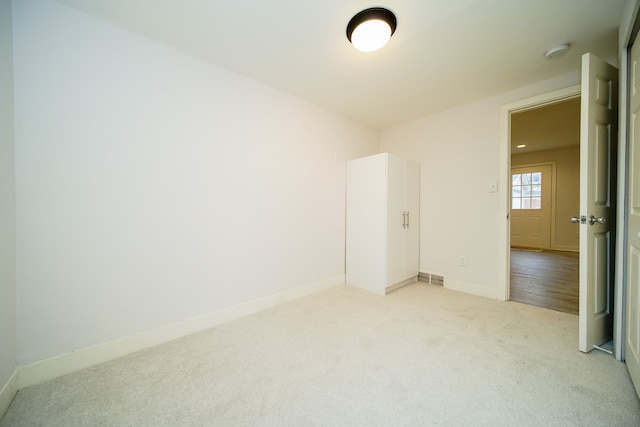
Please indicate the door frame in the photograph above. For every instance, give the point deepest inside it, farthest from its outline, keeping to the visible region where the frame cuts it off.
(626, 35)
(504, 236)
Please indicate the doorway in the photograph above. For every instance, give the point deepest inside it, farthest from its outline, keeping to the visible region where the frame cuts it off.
(546, 278)
(597, 217)
(544, 195)
(505, 172)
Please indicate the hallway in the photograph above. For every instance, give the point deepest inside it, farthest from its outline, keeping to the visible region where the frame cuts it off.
(546, 279)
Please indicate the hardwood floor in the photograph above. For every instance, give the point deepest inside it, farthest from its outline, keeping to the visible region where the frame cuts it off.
(546, 279)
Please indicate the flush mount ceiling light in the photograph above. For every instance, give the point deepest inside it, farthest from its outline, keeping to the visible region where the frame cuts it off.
(557, 51)
(371, 29)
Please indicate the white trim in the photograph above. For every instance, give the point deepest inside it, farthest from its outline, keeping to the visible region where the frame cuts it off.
(629, 18)
(470, 288)
(620, 265)
(54, 367)
(505, 170)
(399, 285)
(8, 392)
(566, 248)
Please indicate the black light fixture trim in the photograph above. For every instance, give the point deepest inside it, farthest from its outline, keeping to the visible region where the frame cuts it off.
(372, 13)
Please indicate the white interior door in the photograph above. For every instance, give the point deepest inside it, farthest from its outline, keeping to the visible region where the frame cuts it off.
(632, 356)
(598, 155)
(531, 206)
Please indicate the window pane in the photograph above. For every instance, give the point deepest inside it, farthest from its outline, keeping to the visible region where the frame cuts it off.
(536, 203)
(536, 178)
(515, 179)
(516, 191)
(515, 203)
(526, 190)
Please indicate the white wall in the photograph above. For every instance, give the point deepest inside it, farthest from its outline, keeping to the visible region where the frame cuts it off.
(153, 187)
(7, 205)
(459, 152)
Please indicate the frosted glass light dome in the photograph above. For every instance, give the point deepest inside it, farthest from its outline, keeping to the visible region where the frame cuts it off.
(371, 29)
(371, 35)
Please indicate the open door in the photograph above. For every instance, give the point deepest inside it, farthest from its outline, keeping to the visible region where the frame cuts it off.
(598, 156)
(632, 356)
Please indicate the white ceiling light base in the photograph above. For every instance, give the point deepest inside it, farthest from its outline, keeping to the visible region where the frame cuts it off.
(371, 29)
(557, 51)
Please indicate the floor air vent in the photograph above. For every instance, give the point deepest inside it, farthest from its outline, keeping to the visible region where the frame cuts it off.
(434, 279)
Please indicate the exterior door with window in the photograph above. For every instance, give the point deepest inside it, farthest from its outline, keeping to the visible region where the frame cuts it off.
(531, 206)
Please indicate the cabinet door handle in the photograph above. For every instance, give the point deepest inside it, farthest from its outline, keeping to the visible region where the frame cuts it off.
(404, 220)
(407, 219)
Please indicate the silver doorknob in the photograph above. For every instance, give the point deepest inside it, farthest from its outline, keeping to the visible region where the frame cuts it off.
(575, 220)
(593, 220)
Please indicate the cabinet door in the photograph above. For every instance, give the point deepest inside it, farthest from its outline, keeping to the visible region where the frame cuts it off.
(412, 232)
(366, 251)
(395, 220)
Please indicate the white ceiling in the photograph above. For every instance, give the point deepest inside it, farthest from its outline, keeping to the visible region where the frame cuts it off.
(444, 52)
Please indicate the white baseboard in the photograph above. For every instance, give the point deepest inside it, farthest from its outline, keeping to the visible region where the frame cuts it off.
(8, 392)
(565, 248)
(398, 285)
(471, 288)
(44, 370)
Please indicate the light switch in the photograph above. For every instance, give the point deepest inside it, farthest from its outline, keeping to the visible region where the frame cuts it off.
(493, 186)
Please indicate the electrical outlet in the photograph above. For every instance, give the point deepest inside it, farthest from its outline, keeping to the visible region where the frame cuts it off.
(463, 262)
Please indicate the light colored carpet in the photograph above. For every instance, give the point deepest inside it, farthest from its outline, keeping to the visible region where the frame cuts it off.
(422, 355)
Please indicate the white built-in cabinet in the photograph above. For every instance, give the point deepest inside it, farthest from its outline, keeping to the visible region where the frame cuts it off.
(382, 226)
